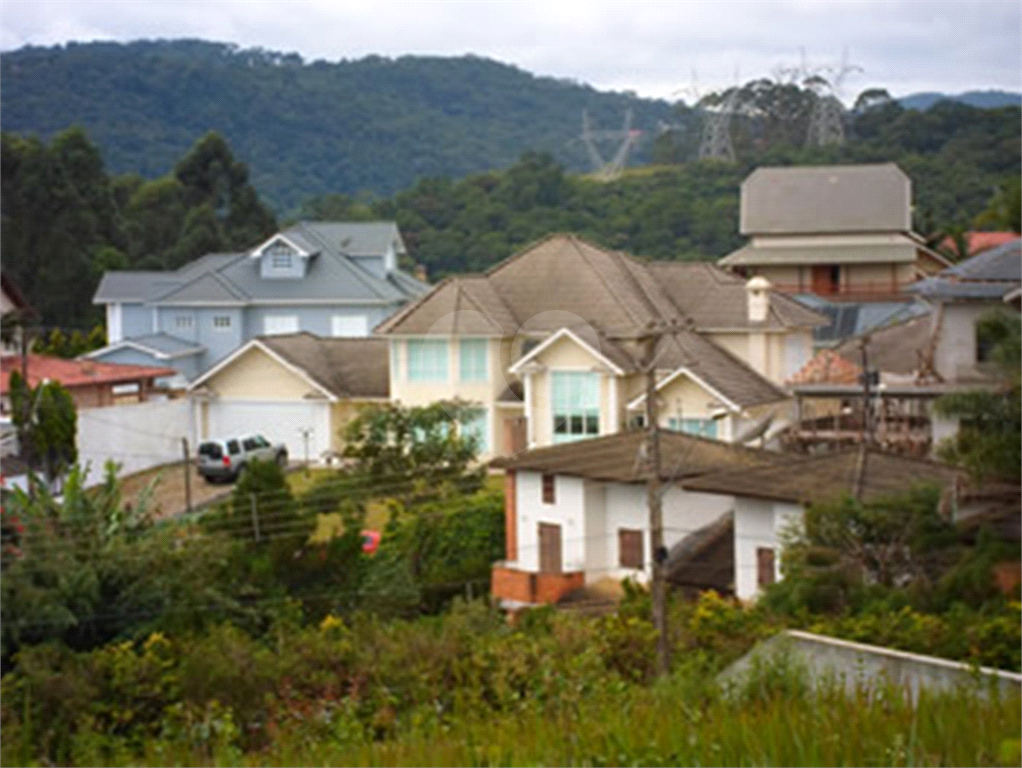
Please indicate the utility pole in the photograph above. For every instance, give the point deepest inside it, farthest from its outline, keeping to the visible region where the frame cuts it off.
(188, 475)
(654, 500)
(650, 338)
(868, 378)
(306, 431)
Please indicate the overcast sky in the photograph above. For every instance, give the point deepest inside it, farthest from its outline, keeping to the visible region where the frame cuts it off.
(653, 47)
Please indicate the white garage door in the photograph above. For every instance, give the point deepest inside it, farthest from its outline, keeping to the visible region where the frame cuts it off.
(277, 422)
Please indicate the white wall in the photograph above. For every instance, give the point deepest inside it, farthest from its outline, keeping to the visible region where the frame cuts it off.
(759, 524)
(568, 512)
(137, 436)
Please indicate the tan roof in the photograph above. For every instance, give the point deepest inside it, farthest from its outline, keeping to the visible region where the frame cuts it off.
(807, 479)
(895, 349)
(619, 457)
(716, 299)
(347, 368)
(831, 198)
(759, 255)
(562, 279)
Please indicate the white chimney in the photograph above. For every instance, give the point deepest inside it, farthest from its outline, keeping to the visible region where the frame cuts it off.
(758, 298)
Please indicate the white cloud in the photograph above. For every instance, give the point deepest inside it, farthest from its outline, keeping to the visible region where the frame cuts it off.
(647, 46)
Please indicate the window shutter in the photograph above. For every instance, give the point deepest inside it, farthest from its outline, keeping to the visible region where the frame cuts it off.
(764, 566)
(549, 490)
(630, 548)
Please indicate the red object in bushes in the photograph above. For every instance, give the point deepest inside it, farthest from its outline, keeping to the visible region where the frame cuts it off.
(370, 541)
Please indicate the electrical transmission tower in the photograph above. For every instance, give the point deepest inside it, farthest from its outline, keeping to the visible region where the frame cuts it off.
(607, 170)
(716, 141)
(827, 121)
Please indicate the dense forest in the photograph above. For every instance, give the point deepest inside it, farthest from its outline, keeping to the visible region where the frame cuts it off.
(306, 128)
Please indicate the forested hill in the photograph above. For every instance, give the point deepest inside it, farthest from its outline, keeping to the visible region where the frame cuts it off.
(306, 129)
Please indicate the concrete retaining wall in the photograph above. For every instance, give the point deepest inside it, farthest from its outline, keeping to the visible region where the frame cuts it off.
(858, 664)
(137, 436)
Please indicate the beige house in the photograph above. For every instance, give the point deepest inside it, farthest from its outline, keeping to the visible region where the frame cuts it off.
(298, 389)
(540, 342)
(838, 231)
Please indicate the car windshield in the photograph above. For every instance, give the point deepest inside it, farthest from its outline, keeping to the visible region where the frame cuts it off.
(212, 450)
(261, 441)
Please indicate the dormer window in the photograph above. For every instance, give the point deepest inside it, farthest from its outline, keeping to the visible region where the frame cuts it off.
(281, 260)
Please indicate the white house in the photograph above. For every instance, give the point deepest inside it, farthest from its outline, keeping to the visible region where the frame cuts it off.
(576, 513)
(770, 498)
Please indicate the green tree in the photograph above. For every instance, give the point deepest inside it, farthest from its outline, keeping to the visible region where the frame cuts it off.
(46, 422)
(411, 453)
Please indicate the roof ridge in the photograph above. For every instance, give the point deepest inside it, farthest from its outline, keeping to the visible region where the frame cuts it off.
(408, 308)
(523, 250)
(624, 305)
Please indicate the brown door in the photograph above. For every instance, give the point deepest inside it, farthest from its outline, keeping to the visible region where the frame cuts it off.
(826, 279)
(764, 566)
(549, 548)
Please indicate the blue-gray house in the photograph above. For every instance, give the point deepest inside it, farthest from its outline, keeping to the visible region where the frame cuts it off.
(330, 279)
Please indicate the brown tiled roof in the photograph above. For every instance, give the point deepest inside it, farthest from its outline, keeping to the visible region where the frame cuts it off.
(807, 479)
(73, 374)
(827, 367)
(716, 299)
(620, 457)
(346, 368)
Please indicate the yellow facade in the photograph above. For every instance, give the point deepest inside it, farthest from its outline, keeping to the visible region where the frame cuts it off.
(255, 375)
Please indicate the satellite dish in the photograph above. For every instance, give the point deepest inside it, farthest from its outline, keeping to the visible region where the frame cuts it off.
(756, 429)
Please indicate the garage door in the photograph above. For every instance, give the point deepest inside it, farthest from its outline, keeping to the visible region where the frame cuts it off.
(276, 421)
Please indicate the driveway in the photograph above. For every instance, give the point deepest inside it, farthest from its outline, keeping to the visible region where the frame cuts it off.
(169, 497)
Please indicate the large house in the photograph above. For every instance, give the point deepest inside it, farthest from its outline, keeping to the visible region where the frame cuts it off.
(330, 279)
(939, 350)
(577, 514)
(297, 389)
(544, 344)
(835, 231)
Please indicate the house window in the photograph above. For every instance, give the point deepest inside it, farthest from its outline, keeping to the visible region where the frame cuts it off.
(349, 325)
(701, 427)
(473, 359)
(549, 490)
(222, 322)
(473, 426)
(764, 566)
(183, 322)
(427, 360)
(629, 548)
(274, 325)
(576, 405)
(280, 260)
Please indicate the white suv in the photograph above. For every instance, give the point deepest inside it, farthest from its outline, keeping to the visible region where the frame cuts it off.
(225, 459)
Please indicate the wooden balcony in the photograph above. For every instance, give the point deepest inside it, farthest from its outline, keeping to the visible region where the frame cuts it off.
(511, 584)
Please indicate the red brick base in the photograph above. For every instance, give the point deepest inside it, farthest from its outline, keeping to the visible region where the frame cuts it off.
(527, 587)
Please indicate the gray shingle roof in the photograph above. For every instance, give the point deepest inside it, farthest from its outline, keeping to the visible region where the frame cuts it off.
(165, 344)
(759, 255)
(344, 367)
(832, 198)
(989, 275)
(618, 457)
(232, 278)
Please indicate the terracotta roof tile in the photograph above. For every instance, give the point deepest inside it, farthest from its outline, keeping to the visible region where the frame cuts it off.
(76, 373)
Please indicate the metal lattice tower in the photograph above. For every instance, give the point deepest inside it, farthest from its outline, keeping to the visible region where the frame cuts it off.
(827, 121)
(607, 170)
(716, 141)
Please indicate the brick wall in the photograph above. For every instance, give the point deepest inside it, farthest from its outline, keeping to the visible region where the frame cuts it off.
(527, 587)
